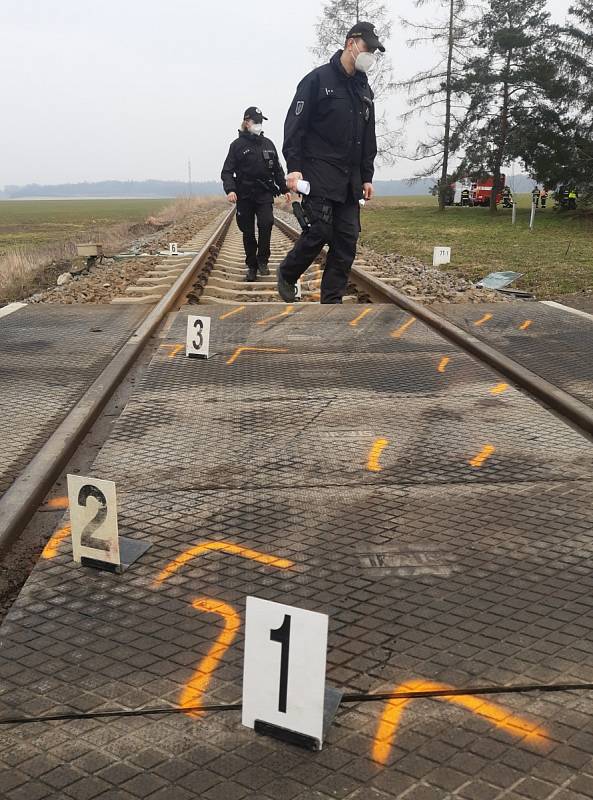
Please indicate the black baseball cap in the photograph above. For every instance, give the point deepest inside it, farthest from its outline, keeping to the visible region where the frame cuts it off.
(254, 114)
(367, 32)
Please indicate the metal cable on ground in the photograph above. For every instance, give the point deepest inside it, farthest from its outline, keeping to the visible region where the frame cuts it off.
(354, 697)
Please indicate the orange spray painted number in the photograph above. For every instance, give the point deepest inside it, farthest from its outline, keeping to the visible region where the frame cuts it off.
(193, 691)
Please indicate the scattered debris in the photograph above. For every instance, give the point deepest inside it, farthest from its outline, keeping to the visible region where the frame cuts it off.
(498, 280)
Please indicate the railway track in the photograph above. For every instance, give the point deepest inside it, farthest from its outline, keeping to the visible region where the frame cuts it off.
(212, 275)
(349, 459)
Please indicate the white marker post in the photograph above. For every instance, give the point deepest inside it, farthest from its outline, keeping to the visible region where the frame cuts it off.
(173, 251)
(441, 255)
(93, 519)
(532, 220)
(299, 290)
(284, 692)
(197, 343)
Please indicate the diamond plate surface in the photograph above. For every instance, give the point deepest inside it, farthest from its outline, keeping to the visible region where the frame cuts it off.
(49, 357)
(463, 580)
(556, 344)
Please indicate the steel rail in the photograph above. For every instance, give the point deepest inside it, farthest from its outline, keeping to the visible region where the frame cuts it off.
(564, 404)
(23, 497)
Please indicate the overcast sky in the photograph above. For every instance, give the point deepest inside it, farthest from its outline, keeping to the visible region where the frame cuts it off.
(130, 89)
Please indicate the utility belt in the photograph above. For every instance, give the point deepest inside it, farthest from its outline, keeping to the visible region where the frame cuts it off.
(267, 184)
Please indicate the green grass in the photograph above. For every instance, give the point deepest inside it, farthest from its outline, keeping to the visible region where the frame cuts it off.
(38, 222)
(481, 244)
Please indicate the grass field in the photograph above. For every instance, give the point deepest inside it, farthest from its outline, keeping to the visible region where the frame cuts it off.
(556, 257)
(25, 223)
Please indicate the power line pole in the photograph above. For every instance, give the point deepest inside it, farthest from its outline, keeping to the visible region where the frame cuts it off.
(189, 176)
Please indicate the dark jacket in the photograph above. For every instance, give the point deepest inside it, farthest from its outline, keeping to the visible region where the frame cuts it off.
(252, 169)
(329, 133)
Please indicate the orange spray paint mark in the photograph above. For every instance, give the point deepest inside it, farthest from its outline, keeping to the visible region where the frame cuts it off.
(174, 349)
(226, 547)
(51, 548)
(287, 311)
(443, 364)
(483, 319)
(403, 328)
(482, 456)
(230, 313)
(55, 504)
(245, 349)
(499, 388)
(524, 325)
(495, 714)
(354, 322)
(192, 692)
(373, 460)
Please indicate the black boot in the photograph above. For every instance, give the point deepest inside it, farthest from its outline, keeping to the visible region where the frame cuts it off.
(251, 275)
(263, 269)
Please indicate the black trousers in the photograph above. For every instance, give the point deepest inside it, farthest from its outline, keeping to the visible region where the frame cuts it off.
(257, 250)
(335, 224)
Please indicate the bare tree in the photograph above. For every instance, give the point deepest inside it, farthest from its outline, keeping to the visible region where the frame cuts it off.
(432, 92)
(336, 19)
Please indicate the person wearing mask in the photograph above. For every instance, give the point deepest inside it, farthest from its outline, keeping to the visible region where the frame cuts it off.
(252, 177)
(329, 142)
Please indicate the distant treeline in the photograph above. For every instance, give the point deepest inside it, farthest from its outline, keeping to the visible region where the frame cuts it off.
(153, 188)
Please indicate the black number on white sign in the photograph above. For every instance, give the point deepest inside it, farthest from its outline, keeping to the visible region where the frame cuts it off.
(86, 537)
(198, 344)
(282, 635)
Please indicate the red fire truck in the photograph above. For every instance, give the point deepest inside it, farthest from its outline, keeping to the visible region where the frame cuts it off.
(482, 190)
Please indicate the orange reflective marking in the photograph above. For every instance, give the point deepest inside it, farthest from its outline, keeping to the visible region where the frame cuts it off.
(363, 314)
(499, 388)
(403, 328)
(245, 349)
(191, 694)
(226, 547)
(230, 313)
(288, 310)
(524, 325)
(443, 364)
(174, 349)
(497, 715)
(55, 504)
(482, 456)
(483, 319)
(373, 460)
(51, 548)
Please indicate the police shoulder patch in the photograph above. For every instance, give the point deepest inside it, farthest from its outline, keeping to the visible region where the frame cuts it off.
(299, 107)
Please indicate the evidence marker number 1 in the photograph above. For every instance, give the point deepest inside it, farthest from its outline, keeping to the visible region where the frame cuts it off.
(197, 343)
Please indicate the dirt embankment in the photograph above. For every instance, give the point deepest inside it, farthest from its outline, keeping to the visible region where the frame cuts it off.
(109, 279)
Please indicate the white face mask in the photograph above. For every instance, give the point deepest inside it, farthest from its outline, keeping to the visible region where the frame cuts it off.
(364, 61)
(256, 128)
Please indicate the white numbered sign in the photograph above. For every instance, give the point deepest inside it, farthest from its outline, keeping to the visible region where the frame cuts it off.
(173, 251)
(198, 337)
(284, 668)
(441, 255)
(93, 518)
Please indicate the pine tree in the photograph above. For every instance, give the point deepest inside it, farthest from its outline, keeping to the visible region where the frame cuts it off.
(336, 19)
(432, 91)
(512, 85)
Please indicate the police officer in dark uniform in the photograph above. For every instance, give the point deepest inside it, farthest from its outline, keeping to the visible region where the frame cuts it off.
(329, 141)
(252, 177)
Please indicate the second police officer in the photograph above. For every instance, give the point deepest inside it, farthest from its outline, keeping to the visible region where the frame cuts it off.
(329, 141)
(252, 177)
